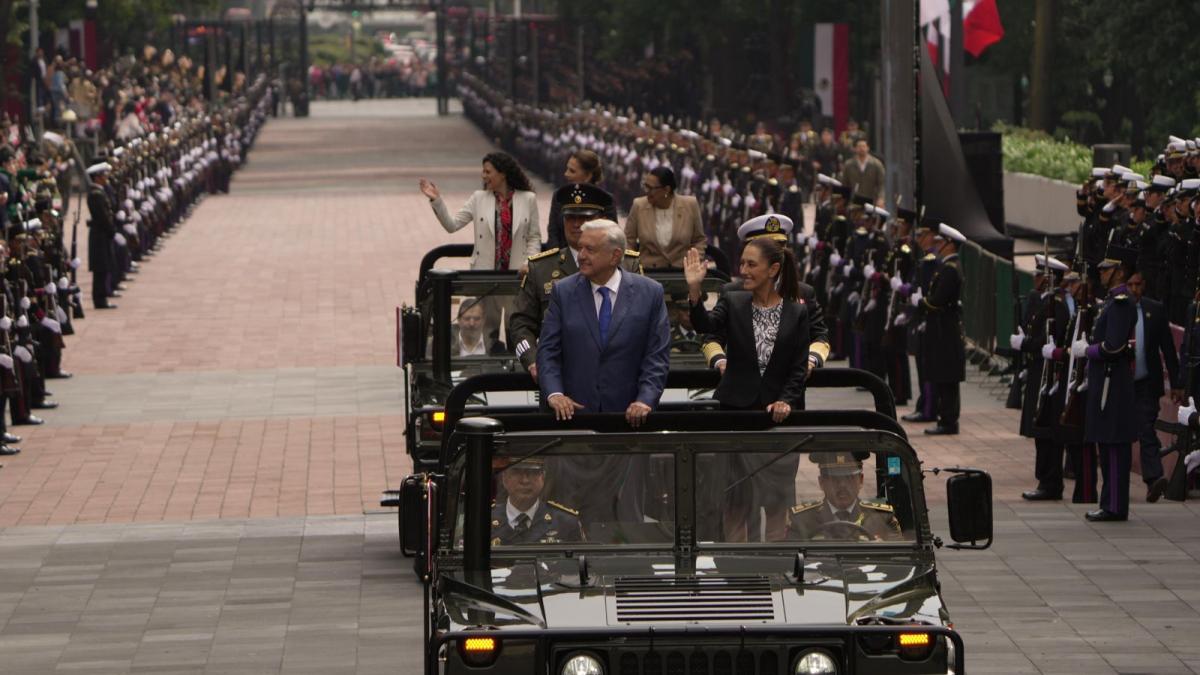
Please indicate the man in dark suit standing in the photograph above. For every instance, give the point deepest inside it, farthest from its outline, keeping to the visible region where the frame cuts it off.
(617, 328)
(1152, 338)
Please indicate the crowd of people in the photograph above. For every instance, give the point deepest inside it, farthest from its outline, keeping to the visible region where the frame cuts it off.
(733, 176)
(376, 78)
(1096, 336)
(165, 155)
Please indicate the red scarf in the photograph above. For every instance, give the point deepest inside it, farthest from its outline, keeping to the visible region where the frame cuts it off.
(503, 230)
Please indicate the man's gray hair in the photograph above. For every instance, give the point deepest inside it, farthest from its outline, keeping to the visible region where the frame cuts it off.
(613, 234)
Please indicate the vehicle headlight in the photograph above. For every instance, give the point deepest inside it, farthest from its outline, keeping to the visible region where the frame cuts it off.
(815, 662)
(582, 664)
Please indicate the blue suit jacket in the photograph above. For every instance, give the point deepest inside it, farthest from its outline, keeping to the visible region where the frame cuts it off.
(632, 366)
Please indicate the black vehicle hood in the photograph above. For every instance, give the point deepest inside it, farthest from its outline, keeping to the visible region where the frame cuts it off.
(837, 588)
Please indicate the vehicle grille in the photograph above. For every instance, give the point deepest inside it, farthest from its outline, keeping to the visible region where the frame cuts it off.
(693, 598)
(764, 661)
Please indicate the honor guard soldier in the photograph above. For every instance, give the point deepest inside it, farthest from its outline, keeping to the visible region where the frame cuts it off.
(101, 231)
(1041, 404)
(841, 514)
(1110, 389)
(945, 355)
(580, 202)
(524, 517)
(900, 269)
(914, 318)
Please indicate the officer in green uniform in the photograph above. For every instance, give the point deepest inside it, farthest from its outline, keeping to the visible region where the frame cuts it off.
(580, 202)
(524, 517)
(841, 515)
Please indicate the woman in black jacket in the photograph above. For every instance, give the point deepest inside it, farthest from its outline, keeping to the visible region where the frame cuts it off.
(763, 329)
(765, 334)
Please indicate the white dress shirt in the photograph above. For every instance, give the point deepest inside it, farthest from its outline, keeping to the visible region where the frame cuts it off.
(512, 513)
(477, 349)
(664, 225)
(613, 284)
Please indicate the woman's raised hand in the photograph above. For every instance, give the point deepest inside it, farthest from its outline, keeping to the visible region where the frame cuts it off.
(429, 189)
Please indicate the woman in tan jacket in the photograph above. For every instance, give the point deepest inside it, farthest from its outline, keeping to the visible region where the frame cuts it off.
(664, 225)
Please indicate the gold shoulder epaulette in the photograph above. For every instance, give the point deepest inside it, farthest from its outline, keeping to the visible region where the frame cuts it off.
(800, 508)
(560, 507)
(633, 253)
(929, 256)
(544, 254)
(905, 248)
(876, 506)
(1121, 297)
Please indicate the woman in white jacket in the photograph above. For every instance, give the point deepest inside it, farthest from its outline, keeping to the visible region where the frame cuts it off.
(504, 213)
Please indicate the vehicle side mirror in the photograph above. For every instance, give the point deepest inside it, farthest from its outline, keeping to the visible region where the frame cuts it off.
(413, 514)
(409, 338)
(969, 503)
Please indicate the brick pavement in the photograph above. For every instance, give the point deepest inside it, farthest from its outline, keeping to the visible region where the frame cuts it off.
(197, 505)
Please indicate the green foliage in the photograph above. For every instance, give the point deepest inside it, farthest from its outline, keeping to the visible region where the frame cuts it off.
(326, 49)
(1036, 152)
(128, 25)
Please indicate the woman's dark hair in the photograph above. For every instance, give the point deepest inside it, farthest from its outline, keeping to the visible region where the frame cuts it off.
(505, 164)
(665, 175)
(779, 252)
(590, 163)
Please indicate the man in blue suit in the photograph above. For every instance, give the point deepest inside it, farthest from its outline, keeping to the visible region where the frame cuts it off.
(605, 341)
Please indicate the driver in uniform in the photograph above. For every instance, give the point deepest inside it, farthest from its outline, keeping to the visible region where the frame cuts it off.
(841, 515)
(524, 517)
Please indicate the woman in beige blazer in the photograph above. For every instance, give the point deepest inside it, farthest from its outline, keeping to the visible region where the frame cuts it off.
(664, 225)
(505, 204)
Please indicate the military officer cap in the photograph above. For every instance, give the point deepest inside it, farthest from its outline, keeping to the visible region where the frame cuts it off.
(535, 464)
(1190, 186)
(947, 232)
(1054, 264)
(1176, 149)
(99, 168)
(583, 199)
(841, 191)
(878, 212)
(771, 225)
(928, 224)
(837, 463)
(1161, 183)
(1099, 172)
(1118, 256)
(1117, 171)
(907, 215)
(822, 179)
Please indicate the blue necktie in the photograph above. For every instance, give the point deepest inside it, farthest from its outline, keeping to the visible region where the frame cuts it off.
(605, 313)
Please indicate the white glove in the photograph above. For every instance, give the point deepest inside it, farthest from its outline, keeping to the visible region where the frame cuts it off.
(901, 320)
(53, 325)
(22, 353)
(1079, 348)
(76, 263)
(6, 361)
(869, 271)
(1017, 339)
(64, 283)
(835, 259)
(25, 303)
(51, 289)
(816, 271)
(1185, 411)
(1192, 460)
(130, 230)
(896, 283)
(60, 315)
(1048, 351)
(5, 323)
(119, 238)
(813, 241)
(870, 305)
(915, 298)
(22, 321)
(853, 298)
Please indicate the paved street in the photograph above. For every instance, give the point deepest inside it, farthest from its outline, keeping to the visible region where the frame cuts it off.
(206, 498)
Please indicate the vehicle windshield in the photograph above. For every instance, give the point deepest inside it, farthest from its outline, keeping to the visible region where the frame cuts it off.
(769, 487)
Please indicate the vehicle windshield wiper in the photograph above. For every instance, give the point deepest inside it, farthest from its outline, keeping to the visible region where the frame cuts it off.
(803, 442)
(537, 451)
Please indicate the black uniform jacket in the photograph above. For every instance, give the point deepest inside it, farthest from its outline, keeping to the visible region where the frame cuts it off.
(730, 324)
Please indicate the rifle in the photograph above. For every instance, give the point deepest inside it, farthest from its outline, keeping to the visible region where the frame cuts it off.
(1185, 438)
(85, 184)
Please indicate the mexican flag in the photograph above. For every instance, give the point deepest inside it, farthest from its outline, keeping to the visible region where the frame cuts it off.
(828, 71)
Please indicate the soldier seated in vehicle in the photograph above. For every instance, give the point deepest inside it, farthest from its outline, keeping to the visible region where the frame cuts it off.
(470, 334)
(523, 517)
(841, 514)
